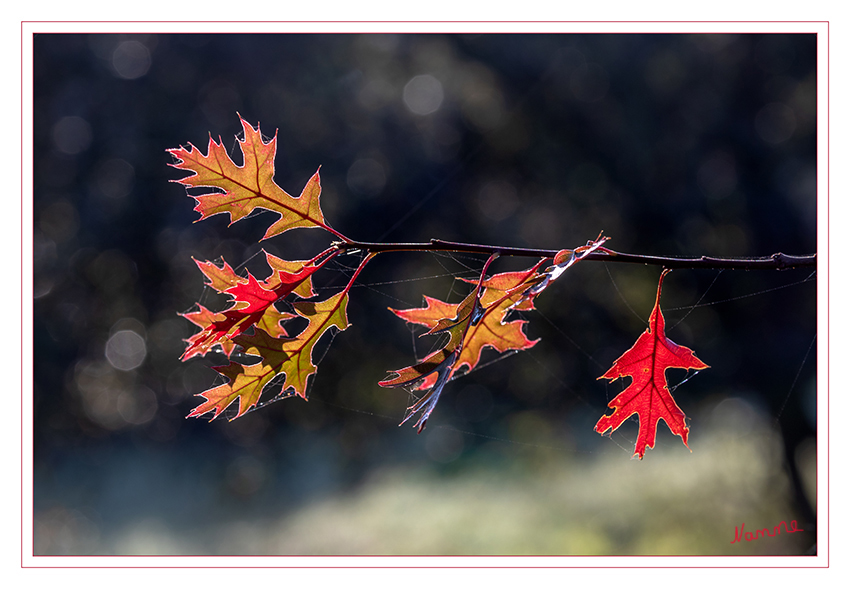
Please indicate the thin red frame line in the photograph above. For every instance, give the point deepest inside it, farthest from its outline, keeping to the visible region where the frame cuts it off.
(444, 556)
(428, 555)
(429, 21)
(828, 235)
(429, 567)
(22, 302)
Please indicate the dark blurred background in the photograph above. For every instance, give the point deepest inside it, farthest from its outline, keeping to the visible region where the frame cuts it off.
(672, 144)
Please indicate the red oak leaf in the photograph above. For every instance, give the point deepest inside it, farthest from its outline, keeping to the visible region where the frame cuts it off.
(253, 303)
(646, 363)
(254, 297)
(238, 190)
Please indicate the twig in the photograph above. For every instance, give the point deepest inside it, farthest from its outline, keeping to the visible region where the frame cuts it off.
(778, 261)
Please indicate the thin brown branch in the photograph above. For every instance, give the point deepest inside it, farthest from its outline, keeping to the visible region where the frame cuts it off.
(778, 261)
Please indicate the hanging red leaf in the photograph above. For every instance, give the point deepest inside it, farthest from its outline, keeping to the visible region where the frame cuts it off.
(648, 396)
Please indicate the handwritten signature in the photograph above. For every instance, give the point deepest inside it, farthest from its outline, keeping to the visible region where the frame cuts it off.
(740, 535)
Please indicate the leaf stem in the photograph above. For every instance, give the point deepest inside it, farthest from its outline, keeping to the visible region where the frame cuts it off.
(330, 253)
(359, 269)
(508, 294)
(777, 261)
(330, 229)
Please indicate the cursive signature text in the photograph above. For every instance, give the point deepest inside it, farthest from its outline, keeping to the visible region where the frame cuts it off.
(740, 535)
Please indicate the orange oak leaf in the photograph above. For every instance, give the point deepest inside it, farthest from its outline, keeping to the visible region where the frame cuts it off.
(648, 396)
(454, 322)
(253, 303)
(497, 299)
(204, 318)
(434, 372)
(291, 357)
(238, 190)
(475, 323)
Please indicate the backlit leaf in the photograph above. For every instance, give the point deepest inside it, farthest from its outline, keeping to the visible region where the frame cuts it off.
(220, 278)
(648, 396)
(253, 302)
(238, 190)
(474, 324)
(291, 357)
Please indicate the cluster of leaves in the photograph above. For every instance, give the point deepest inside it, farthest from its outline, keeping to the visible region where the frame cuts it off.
(254, 324)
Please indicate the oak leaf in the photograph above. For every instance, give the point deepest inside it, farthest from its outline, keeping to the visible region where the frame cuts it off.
(252, 304)
(648, 395)
(290, 357)
(238, 190)
(475, 323)
(220, 278)
(204, 318)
